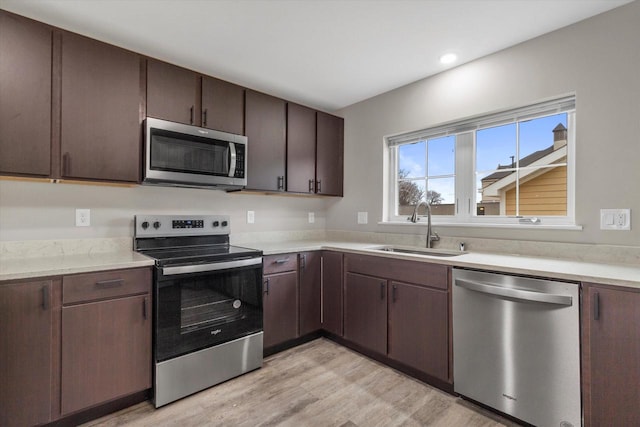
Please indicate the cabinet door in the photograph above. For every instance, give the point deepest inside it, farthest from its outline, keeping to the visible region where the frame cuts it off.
(222, 106)
(329, 155)
(101, 126)
(26, 328)
(25, 96)
(310, 292)
(172, 93)
(301, 149)
(106, 351)
(365, 311)
(265, 128)
(419, 328)
(280, 304)
(332, 292)
(612, 362)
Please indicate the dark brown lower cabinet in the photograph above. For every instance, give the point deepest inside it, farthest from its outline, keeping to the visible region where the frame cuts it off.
(419, 327)
(280, 304)
(365, 311)
(310, 292)
(26, 352)
(332, 263)
(611, 356)
(106, 347)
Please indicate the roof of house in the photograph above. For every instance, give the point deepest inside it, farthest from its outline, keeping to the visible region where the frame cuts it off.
(525, 161)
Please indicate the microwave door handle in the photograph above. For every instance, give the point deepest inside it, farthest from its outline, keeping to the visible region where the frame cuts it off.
(232, 159)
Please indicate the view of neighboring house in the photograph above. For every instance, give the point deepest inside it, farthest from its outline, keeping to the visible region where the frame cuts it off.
(542, 186)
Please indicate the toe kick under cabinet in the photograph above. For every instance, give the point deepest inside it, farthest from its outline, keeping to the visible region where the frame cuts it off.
(72, 343)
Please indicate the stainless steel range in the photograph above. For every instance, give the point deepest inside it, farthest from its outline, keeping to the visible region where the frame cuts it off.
(207, 303)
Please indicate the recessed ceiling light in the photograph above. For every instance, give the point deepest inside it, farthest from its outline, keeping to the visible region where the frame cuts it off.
(448, 58)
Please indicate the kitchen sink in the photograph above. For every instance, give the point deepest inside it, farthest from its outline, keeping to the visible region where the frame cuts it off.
(418, 251)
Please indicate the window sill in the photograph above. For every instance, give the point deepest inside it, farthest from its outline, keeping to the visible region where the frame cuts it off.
(485, 225)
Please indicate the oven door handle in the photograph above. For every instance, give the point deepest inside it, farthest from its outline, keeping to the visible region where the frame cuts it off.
(199, 268)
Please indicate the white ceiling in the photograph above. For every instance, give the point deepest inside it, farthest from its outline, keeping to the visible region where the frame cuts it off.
(325, 54)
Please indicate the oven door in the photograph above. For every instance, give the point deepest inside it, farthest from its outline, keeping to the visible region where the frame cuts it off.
(199, 306)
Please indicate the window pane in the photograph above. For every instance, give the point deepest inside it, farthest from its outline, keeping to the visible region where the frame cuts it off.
(489, 195)
(542, 192)
(442, 156)
(496, 147)
(412, 160)
(410, 192)
(441, 195)
(540, 137)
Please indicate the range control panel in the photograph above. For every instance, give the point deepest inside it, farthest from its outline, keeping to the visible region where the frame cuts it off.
(180, 225)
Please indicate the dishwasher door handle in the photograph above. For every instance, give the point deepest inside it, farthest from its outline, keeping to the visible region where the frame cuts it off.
(518, 294)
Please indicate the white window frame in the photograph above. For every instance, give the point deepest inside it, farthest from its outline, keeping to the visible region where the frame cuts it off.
(465, 168)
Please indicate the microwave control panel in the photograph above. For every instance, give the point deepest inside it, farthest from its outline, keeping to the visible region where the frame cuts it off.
(239, 172)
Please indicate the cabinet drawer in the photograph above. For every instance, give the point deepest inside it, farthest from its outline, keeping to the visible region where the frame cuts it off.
(107, 284)
(416, 272)
(280, 263)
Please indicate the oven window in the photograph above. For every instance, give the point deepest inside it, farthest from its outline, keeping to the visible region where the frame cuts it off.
(196, 311)
(197, 155)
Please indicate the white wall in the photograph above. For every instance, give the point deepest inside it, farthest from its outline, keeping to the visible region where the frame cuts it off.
(598, 59)
(43, 211)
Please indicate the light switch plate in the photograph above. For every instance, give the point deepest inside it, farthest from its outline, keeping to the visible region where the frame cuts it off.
(312, 217)
(615, 219)
(83, 217)
(251, 217)
(363, 217)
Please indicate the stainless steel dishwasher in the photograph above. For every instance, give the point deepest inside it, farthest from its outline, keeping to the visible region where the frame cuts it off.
(516, 346)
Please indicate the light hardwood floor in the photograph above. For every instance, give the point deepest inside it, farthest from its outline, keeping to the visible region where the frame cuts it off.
(316, 384)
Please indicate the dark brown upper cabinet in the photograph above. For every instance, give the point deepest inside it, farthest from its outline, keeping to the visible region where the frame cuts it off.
(301, 149)
(329, 155)
(222, 106)
(25, 96)
(265, 126)
(101, 102)
(173, 93)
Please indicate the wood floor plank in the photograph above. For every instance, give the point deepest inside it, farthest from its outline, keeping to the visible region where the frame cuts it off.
(319, 383)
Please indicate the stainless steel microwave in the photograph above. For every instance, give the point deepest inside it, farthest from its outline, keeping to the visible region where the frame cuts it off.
(189, 156)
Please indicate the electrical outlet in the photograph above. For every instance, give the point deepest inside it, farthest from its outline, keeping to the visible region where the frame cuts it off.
(615, 219)
(251, 217)
(363, 217)
(83, 217)
(312, 217)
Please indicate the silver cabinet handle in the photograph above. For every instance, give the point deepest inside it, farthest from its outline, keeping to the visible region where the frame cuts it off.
(596, 306)
(281, 261)
(266, 286)
(518, 294)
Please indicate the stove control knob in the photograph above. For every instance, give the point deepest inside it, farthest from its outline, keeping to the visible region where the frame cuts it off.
(224, 223)
(145, 225)
(216, 223)
(156, 225)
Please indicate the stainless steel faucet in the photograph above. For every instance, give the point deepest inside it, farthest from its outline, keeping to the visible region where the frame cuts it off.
(432, 236)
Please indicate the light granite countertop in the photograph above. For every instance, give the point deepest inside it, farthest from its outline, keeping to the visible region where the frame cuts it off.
(579, 271)
(12, 268)
(18, 268)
